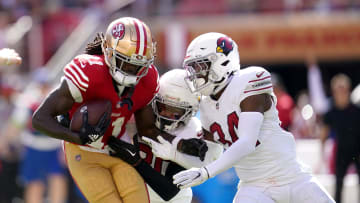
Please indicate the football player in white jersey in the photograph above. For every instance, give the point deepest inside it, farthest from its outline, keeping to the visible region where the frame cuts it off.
(174, 107)
(237, 110)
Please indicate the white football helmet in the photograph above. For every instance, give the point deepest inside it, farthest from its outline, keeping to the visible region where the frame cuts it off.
(174, 96)
(128, 40)
(210, 59)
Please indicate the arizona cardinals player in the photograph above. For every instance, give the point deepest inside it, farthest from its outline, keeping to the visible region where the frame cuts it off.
(174, 107)
(238, 111)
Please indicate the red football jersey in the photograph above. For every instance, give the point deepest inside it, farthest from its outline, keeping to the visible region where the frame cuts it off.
(88, 78)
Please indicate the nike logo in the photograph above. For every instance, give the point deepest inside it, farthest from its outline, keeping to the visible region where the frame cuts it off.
(132, 153)
(260, 74)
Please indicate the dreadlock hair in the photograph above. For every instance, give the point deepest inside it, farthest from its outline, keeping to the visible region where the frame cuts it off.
(94, 47)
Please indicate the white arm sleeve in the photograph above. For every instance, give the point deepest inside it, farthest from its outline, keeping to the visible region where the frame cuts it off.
(248, 133)
(188, 161)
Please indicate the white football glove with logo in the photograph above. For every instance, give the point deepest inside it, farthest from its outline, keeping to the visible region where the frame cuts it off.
(191, 177)
(163, 149)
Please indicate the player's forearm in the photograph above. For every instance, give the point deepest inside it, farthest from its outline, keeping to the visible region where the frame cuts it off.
(50, 126)
(249, 130)
(159, 183)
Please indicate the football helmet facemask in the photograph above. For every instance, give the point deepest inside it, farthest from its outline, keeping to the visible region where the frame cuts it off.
(210, 60)
(128, 50)
(174, 104)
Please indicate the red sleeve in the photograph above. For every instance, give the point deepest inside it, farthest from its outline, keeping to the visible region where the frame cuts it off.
(151, 84)
(80, 74)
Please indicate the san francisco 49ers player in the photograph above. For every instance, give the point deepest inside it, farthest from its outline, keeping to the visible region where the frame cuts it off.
(174, 107)
(238, 110)
(117, 67)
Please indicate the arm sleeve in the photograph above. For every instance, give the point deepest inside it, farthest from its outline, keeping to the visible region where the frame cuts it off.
(162, 185)
(250, 124)
(188, 161)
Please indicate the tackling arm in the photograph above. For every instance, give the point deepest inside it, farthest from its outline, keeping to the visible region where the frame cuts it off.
(145, 124)
(250, 121)
(129, 153)
(167, 151)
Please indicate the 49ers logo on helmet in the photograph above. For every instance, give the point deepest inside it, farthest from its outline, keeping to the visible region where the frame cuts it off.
(224, 45)
(118, 31)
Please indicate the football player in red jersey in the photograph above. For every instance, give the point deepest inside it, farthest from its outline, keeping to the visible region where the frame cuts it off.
(117, 67)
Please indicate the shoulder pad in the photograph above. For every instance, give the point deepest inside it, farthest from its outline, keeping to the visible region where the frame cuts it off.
(80, 69)
(151, 80)
(258, 81)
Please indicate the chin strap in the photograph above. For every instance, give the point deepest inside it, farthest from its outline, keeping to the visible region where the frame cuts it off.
(222, 84)
(127, 100)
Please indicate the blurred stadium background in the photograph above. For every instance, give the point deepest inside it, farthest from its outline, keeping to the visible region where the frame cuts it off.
(284, 36)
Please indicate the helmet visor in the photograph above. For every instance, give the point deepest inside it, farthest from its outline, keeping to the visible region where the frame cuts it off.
(197, 74)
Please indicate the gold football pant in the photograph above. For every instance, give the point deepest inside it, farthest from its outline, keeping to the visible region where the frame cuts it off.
(105, 179)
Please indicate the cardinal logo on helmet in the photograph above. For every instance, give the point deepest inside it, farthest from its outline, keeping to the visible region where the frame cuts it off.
(118, 31)
(224, 45)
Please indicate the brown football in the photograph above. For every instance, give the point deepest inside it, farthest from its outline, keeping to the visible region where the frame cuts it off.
(96, 110)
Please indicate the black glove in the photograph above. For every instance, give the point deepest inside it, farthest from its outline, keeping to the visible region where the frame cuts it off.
(89, 133)
(125, 151)
(64, 120)
(194, 147)
(162, 185)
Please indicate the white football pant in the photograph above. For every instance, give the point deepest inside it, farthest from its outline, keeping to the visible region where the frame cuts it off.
(307, 190)
(184, 196)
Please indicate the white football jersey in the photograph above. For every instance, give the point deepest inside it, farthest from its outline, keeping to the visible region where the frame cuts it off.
(274, 159)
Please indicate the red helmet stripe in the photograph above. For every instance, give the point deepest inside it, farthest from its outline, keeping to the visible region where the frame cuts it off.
(137, 37)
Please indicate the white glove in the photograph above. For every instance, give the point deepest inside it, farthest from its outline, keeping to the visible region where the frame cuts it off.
(191, 177)
(162, 149)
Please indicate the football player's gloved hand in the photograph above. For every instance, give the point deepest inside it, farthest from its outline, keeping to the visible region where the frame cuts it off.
(125, 151)
(89, 133)
(162, 149)
(193, 146)
(191, 177)
(64, 120)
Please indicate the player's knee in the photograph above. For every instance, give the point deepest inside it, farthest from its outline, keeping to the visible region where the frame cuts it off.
(128, 181)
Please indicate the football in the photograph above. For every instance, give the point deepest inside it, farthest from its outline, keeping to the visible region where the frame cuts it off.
(96, 110)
